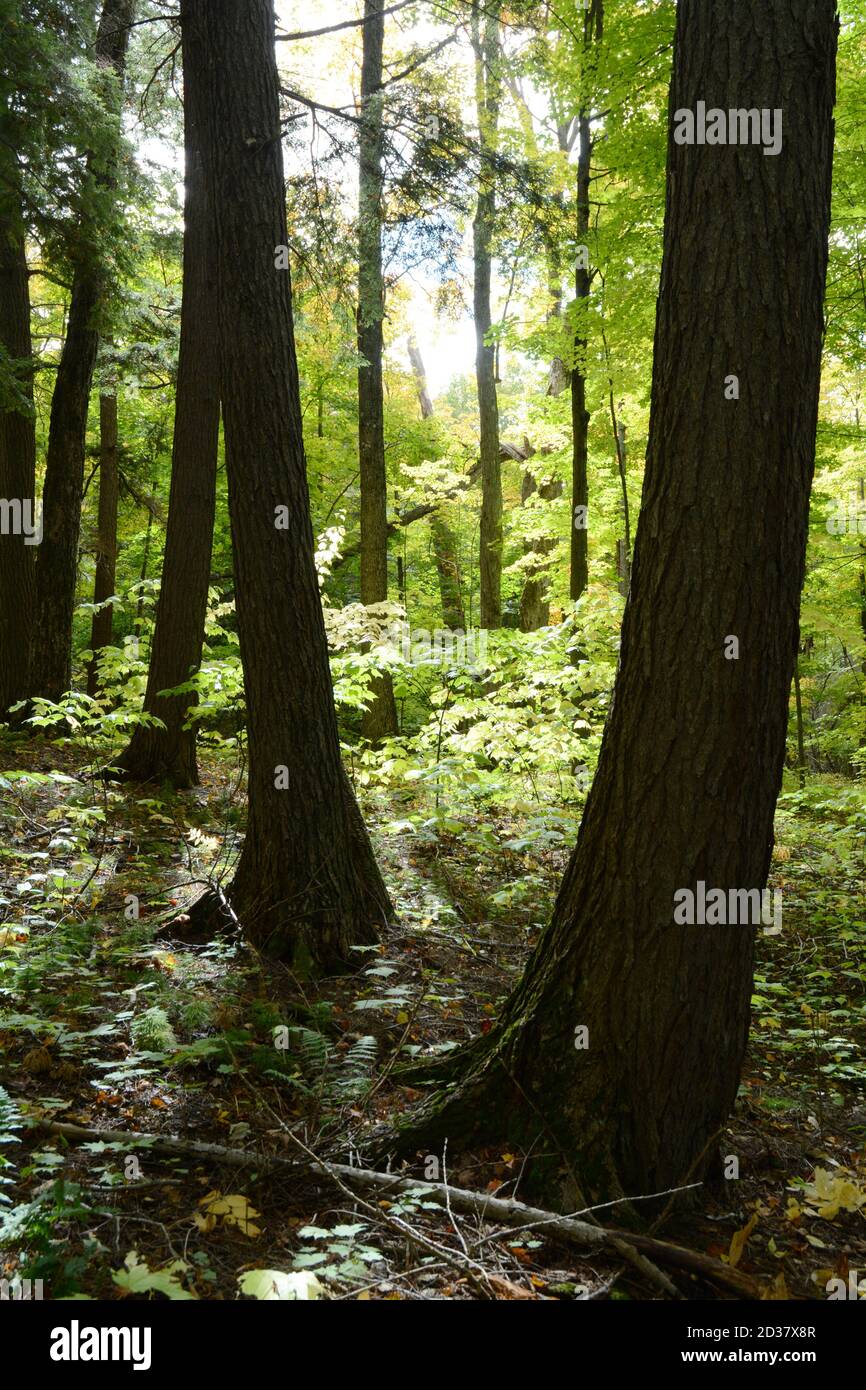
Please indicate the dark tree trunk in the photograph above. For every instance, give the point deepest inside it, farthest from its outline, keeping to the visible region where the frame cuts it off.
(307, 880)
(106, 540)
(445, 552)
(17, 460)
(488, 83)
(579, 575)
(57, 567)
(380, 718)
(692, 756)
(168, 753)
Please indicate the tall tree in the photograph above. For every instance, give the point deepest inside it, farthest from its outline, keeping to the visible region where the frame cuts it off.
(106, 536)
(692, 756)
(167, 750)
(593, 21)
(307, 883)
(57, 565)
(488, 92)
(17, 444)
(380, 718)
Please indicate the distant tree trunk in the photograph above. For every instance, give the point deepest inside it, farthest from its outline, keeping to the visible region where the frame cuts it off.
(579, 576)
(169, 753)
(106, 540)
(445, 552)
(534, 601)
(692, 756)
(57, 566)
(17, 458)
(307, 883)
(381, 717)
(488, 84)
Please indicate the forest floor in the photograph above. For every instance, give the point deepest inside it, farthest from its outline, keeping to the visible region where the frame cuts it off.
(110, 1020)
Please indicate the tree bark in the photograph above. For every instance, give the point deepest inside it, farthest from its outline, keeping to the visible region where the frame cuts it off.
(57, 566)
(106, 540)
(380, 718)
(17, 458)
(488, 84)
(692, 756)
(307, 883)
(445, 553)
(534, 600)
(169, 752)
(579, 574)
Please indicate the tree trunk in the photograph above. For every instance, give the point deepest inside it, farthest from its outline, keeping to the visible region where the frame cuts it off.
(307, 880)
(579, 575)
(17, 460)
(692, 755)
(168, 753)
(106, 541)
(488, 82)
(534, 601)
(57, 566)
(380, 718)
(445, 553)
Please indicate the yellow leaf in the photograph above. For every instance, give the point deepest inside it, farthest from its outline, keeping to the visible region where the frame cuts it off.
(739, 1239)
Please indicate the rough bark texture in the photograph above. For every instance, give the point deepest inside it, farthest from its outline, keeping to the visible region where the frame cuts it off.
(307, 877)
(168, 753)
(445, 552)
(17, 461)
(692, 756)
(381, 716)
(106, 538)
(57, 566)
(485, 41)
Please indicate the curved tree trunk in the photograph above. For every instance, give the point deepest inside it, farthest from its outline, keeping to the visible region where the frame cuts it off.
(168, 753)
(692, 756)
(17, 460)
(380, 718)
(307, 880)
(102, 624)
(57, 566)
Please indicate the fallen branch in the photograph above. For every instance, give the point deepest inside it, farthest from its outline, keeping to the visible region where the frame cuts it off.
(505, 1211)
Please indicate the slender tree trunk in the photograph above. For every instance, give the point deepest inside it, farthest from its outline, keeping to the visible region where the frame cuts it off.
(445, 553)
(307, 882)
(579, 575)
(106, 541)
(488, 83)
(17, 460)
(593, 22)
(380, 718)
(168, 751)
(57, 566)
(692, 756)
